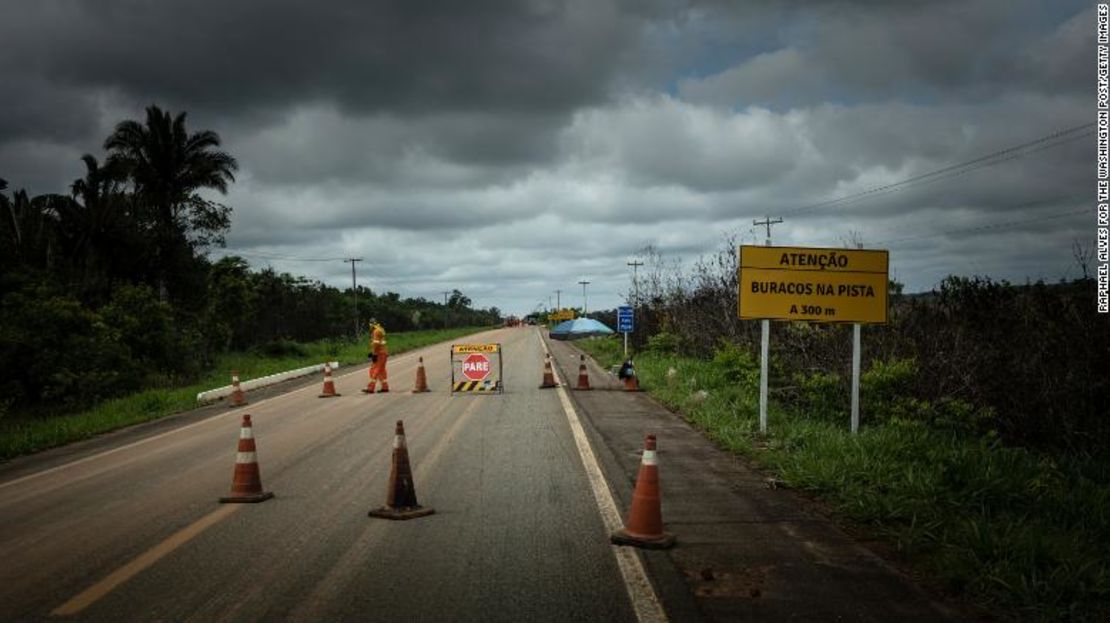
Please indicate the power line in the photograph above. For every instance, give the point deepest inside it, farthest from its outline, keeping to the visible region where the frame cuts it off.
(268, 256)
(1003, 155)
(973, 168)
(987, 227)
(1034, 204)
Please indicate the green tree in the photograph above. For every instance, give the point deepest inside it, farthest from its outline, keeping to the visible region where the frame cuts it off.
(168, 167)
(231, 304)
(28, 232)
(458, 300)
(102, 241)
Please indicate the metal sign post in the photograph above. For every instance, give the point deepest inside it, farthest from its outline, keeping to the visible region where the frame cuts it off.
(855, 376)
(764, 351)
(764, 334)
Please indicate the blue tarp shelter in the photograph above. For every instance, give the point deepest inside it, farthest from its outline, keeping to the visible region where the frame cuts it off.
(577, 328)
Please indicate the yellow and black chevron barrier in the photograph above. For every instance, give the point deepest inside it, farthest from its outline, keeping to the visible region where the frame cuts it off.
(476, 386)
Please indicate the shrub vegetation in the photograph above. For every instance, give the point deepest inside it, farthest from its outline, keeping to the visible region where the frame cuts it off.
(107, 288)
(982, 454)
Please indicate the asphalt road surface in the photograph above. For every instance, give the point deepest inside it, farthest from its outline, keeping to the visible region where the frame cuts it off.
(526, 488)
(134, 532)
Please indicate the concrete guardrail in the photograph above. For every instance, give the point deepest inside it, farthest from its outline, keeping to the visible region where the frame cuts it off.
(223, 392)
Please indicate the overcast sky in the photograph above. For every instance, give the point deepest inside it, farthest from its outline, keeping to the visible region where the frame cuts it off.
(509, 149)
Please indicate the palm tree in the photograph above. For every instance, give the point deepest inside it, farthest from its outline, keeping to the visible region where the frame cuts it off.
(95, 222)
(167, 167)
(28, 230)
(100, 182)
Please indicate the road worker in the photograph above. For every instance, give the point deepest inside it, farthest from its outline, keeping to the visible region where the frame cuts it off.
(627, 370)
(628, 375)
(378, 355)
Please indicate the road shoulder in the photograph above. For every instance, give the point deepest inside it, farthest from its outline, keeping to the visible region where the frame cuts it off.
(24, 465)
(744, 549)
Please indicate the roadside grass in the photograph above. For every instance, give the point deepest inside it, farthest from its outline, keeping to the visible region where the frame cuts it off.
(1022, 535)
(26, 433)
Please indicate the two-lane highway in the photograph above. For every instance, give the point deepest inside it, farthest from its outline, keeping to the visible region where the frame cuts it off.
(136, 533)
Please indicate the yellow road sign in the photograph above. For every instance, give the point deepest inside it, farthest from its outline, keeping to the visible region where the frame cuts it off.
(562, 314)
(813, 284)
(475, 348)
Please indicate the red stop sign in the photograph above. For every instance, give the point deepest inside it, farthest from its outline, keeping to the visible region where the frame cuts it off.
(475, 367)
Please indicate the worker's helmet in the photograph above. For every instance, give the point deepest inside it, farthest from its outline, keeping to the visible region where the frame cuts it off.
(373, 321)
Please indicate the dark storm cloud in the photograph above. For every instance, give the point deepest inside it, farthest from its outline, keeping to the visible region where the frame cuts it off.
(451, 149)
(485, 83)
(405, 57)
(474, 145)
(33, 109)
(39, 167)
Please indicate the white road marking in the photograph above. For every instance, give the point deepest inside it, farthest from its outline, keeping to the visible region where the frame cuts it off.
(640, 591)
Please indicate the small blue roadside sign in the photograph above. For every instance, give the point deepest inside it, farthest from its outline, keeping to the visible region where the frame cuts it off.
(624, 319)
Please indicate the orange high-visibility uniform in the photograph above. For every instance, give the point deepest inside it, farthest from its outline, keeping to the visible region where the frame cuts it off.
(381, 353)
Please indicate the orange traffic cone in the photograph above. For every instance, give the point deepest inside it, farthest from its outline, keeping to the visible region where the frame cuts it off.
(421, 379)
(632, 382)
(644, 527)
(246, 483)
(237, 397)
(583, 375)
(548, 375)
(329, 385)
(400, 498)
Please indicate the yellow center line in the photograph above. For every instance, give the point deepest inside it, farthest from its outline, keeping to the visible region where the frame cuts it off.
(92, 594)
(97, 591)
(432, 456)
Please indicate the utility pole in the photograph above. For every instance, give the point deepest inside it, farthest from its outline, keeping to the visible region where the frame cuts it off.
(354, 289)
(768, 222)
(445, 293)
(635, 284)
(764, 341)
(635, 297)
(558, 301)
(584, 284)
